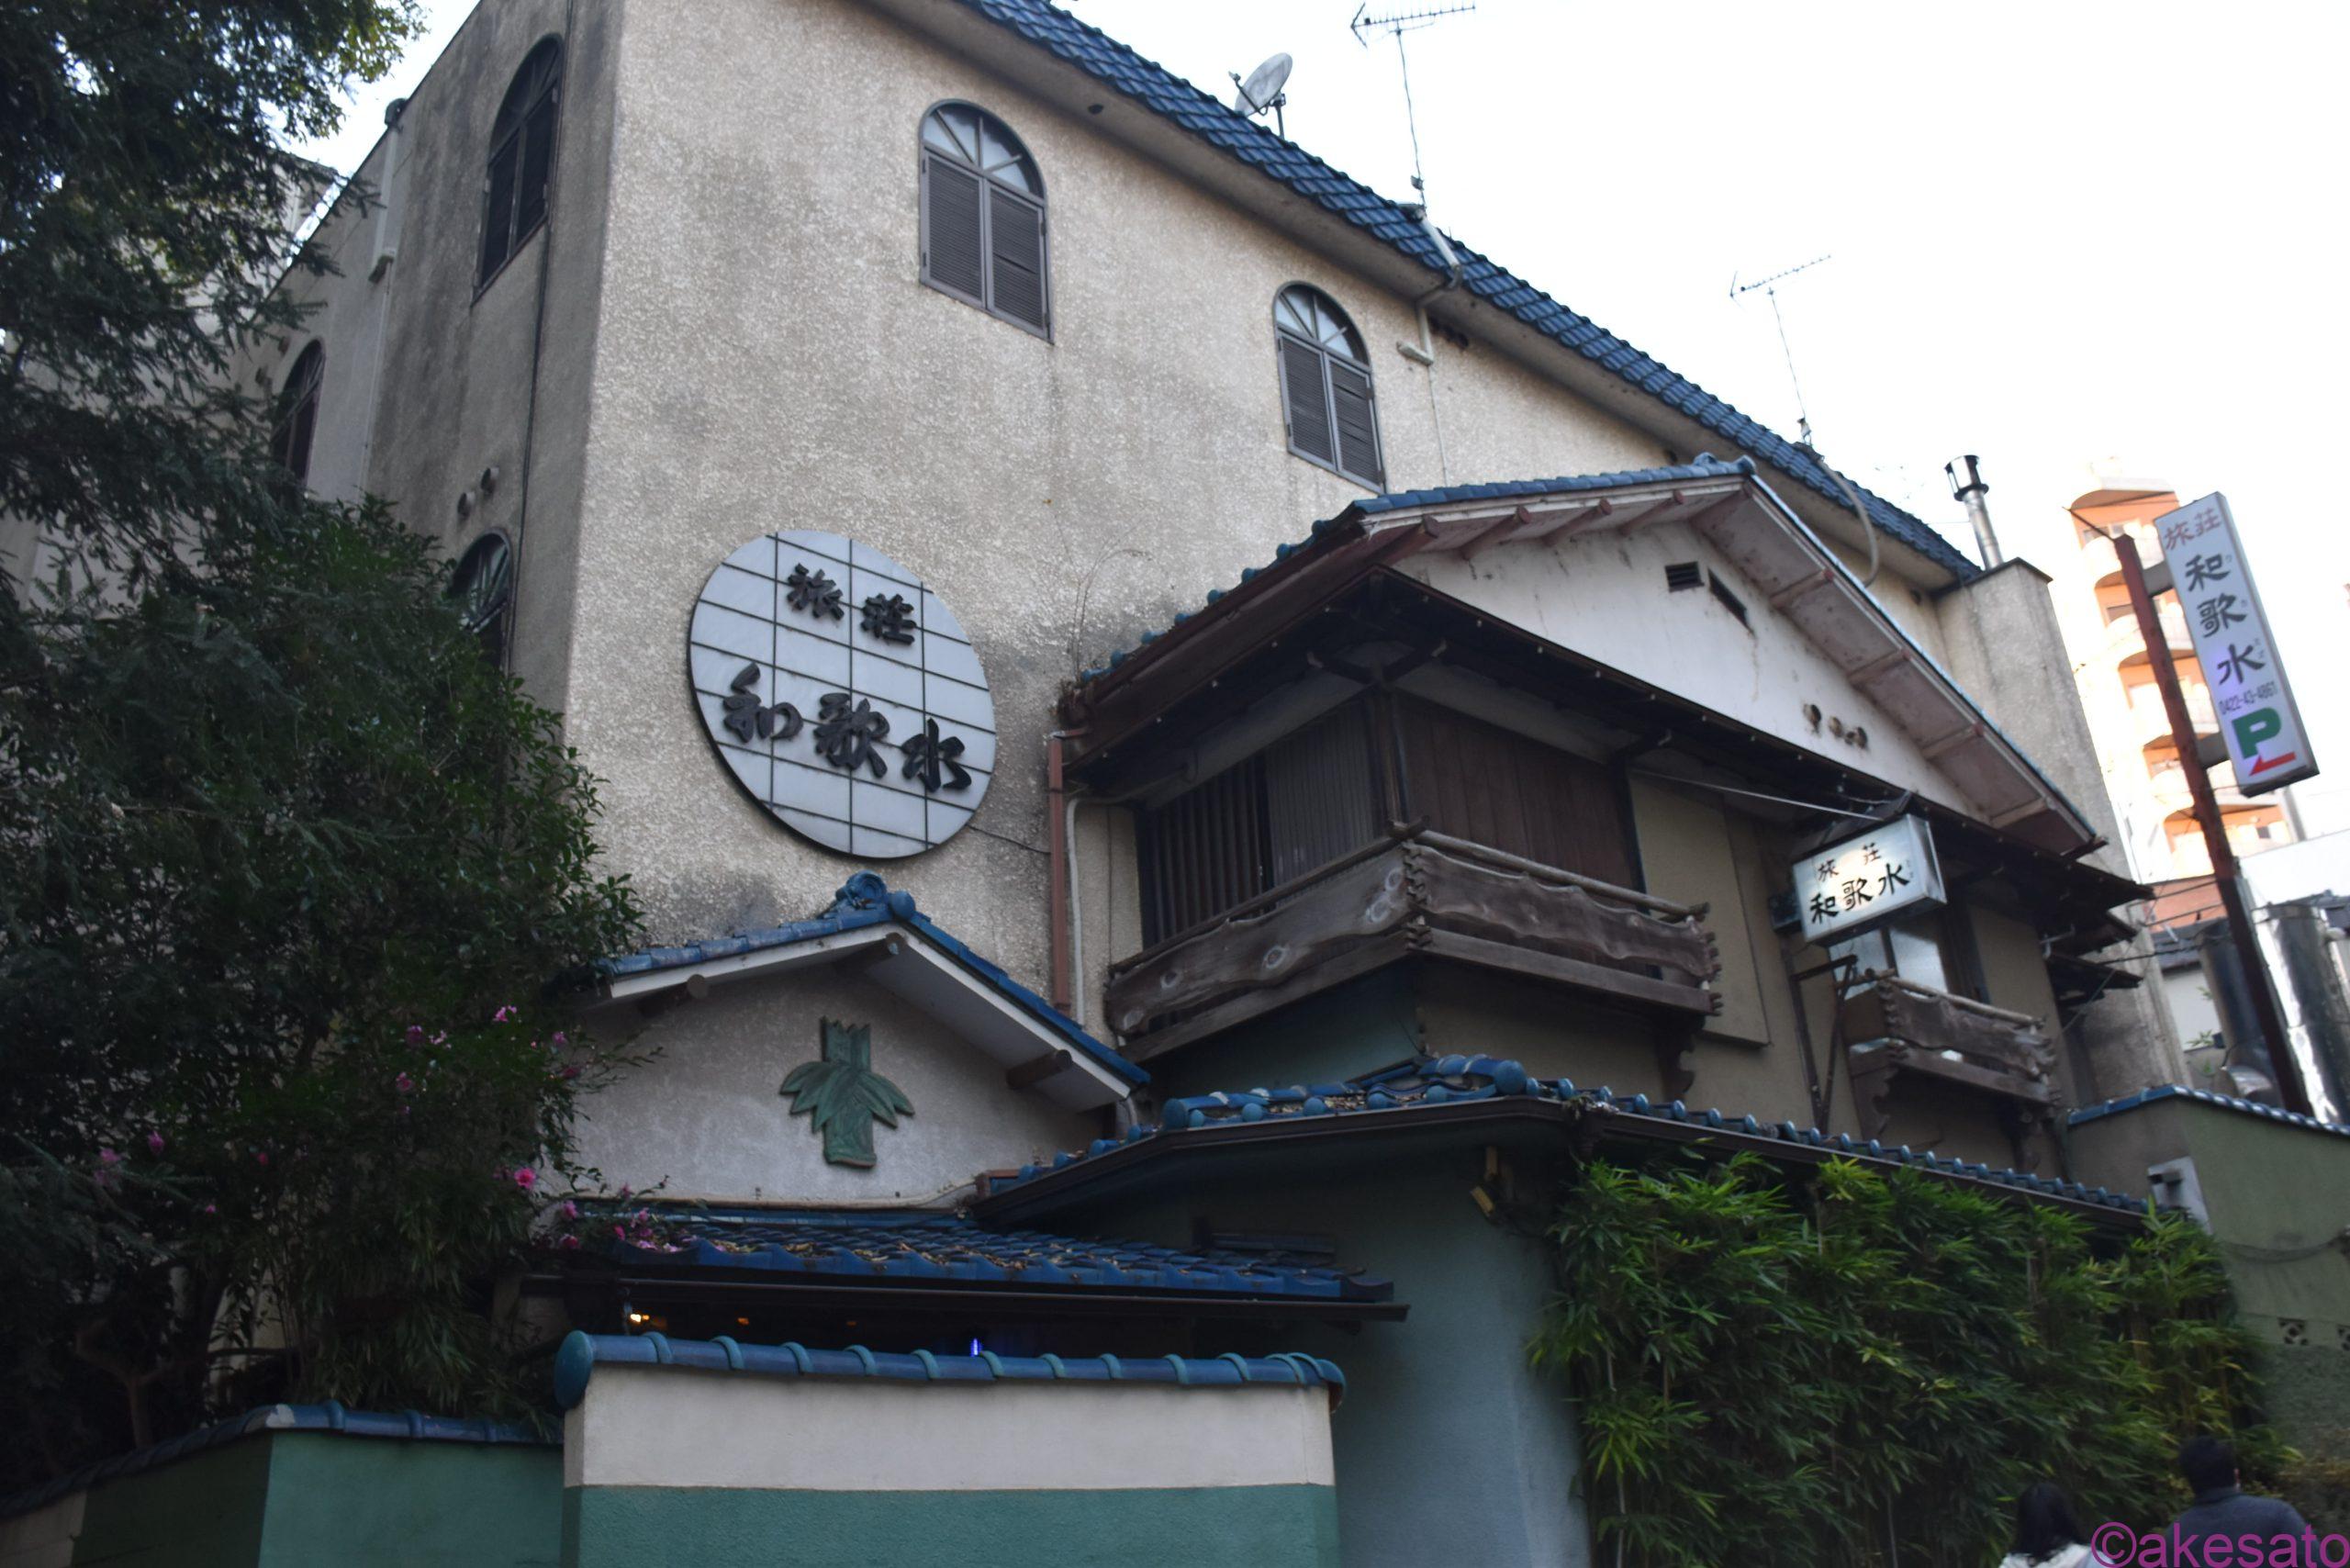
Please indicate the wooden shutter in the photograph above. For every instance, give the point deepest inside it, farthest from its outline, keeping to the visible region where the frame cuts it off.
(1017, 259)
(951, 230)
(1321, 797)
(1203, 851)
(1357, 429)
(1307, 400)
(1498, 788)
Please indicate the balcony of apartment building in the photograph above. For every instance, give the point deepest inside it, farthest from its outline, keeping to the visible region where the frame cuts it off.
(2153, 719)
(1391, 828)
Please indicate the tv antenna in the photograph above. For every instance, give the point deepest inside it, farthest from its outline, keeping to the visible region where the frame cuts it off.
(1769, 285)
(1262, 91)
(1399, 23)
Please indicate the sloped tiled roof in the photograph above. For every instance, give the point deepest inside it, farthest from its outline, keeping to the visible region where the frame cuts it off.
(2205, 1097)
(1457, 1079)
(864, 900)
(582, 1353)
(866, 1246)
(1161, 91)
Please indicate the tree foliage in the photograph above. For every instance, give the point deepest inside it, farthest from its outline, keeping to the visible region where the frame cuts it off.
(286, 865)
(1856, 1369)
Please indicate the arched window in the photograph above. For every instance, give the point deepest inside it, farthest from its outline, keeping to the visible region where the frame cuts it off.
(298, 413)
(983, 216)
(483, 589)
(1326, 386)
(522, 157)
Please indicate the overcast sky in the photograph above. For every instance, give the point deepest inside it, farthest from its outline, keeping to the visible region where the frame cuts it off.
(2059, 233)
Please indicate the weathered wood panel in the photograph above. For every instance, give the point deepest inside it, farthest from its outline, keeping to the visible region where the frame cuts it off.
(1524, 910)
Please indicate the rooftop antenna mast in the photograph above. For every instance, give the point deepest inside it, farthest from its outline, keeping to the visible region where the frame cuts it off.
(1399, 23)
(1769, 285)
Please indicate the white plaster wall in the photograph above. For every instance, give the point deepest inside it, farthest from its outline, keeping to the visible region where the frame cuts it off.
(671, 1427)
(768, 357)
(1605, 596)
(707, 1116)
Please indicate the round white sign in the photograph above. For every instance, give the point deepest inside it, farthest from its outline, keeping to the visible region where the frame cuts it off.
(843, 694)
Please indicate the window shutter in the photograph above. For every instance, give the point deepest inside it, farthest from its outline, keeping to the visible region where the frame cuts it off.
(1016, 253)
(1307, 404)
(951, 229)
(1357, 429)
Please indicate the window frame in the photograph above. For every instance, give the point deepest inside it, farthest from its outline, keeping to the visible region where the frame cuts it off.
(1038, 201)
(1375, 483)
(297, 397)
(492, 628)
(517, 132)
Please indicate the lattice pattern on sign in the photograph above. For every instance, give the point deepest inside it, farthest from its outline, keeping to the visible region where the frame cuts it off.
(843, 694)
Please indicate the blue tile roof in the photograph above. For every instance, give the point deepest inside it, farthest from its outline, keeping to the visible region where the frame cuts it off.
(1704, 466)
(327, 1418)
(1165, 94)
(864, 900)
(2205, 1097)
(582, 1353)
(866, 1246)
(1456, 1080)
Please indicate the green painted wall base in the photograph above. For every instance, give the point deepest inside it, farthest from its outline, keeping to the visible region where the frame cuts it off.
(656, 1527)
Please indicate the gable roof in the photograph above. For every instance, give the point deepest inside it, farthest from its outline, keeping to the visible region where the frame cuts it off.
(1255, 145)
(1416, 1093)
(936, 971)
(1726, 503)
(868, 1248)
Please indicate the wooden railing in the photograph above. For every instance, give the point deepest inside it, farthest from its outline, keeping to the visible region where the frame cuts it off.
(1893, 1024)
(1415, 893)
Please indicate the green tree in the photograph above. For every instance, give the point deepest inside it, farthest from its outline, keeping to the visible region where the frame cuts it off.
(1855, 1369)
(286, 865)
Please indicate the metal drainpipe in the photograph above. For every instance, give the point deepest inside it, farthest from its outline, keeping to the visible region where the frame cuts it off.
(384, 262)
(1423, 354)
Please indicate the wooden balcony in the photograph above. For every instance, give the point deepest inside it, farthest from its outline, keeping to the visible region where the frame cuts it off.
(1896, 1026)
(1415, 895)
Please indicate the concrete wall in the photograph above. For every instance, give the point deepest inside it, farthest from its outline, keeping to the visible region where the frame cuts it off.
(705, 1118)
(669, 1467)
(299, 1499)
(2278, 1197)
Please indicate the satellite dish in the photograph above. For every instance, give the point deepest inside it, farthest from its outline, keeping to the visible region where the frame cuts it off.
(1262, 91)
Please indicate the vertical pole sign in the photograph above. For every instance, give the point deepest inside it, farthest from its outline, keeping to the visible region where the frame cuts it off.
(2249, 692)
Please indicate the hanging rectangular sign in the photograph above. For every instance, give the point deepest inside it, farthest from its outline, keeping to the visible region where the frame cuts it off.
(1858, 884)
(2224, 621)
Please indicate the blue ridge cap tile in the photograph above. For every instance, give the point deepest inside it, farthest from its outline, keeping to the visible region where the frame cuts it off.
(331, 1416)
(1155, 88)
(582, 1353)
(1460, 1078)
(864, 900)
(928, 1245)
(2204, 1097)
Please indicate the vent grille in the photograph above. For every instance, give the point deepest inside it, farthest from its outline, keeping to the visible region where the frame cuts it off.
(1730, 601)
(1683, 574)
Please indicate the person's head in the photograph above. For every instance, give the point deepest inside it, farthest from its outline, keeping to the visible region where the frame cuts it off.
(2208, 1462)
(2044, 1521)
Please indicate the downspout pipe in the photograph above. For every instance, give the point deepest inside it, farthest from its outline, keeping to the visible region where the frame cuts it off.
(1424, 352)
(1060, 817)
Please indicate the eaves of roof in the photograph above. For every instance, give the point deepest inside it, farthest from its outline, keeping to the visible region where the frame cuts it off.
(2161, 1092)
(1424, 1097)
(1254, 145)
(864, 901)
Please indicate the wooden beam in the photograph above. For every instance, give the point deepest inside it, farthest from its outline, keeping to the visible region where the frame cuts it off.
(1029, 1073)
(1811, 582)
(1877, 668)
(1935, 750)
(1598, 978)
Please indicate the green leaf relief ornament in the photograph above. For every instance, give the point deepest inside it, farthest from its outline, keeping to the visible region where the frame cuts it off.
(842, 1096)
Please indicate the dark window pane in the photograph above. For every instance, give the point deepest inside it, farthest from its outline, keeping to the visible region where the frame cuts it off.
(951, 230)
(1016, 243)
(298, 413)
(1308, 405)
(1357, 428)
(498, 212)
(538, 162)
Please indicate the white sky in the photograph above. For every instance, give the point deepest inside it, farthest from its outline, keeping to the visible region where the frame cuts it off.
(2059, 233)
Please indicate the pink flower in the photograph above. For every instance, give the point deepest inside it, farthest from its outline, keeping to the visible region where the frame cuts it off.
(109, 1157)
(501, 1016)
(526, 1178)
(620, 1233)
(570, 1209)
(560, 1040)
(212, 1208)
(569, 1244)
(404, 1083)
(569, 1072)
(155, 1143)
(416, 1034)
(262, 1155)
